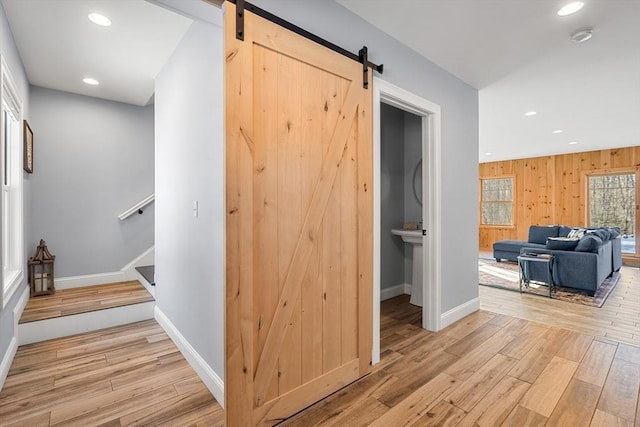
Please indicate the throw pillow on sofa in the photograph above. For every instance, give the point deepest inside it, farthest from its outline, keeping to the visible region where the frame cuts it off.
(602, 234)
(615, 232)
(610, 232)
(588, 243)
(562, 243)
(577, 233)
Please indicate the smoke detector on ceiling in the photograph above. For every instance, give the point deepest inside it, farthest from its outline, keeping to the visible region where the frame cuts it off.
(581, 35)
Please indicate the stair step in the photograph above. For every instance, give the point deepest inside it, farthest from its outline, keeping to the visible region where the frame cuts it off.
(78, 310)
(148, 272)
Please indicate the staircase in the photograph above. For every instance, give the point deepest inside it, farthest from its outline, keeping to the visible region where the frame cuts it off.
(146, 276)
(90, 308)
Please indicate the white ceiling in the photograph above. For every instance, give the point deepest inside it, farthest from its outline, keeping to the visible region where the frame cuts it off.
(518, 54)
(59, 45)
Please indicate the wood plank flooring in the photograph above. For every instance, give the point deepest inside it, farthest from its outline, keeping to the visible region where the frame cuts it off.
(486, 370)
(618, 319)
(127, 375)
(66, 302)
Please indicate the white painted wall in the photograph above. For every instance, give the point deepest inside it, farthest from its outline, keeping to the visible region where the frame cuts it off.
(405, 68)
(189, 167)
(12, 57)
(93, 160)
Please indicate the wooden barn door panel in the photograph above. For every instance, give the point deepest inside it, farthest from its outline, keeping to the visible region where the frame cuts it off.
(299, 222)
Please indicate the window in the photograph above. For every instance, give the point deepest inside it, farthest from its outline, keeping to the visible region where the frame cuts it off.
(496, 199)
(11, 176)
(612, 203)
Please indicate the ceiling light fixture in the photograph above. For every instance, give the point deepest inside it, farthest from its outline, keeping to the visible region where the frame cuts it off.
(99, 19)
(573, 142)
(581, 35)
(488, 153)
(91, 81)
(530, 113)
(557, 131)
(570, 8)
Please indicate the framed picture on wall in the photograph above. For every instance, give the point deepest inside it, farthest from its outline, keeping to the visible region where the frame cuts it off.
(28, 148)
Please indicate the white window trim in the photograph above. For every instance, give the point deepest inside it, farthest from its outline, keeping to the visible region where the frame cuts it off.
(8, 90)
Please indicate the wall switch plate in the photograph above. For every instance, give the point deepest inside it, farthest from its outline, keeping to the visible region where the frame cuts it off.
(195, 208)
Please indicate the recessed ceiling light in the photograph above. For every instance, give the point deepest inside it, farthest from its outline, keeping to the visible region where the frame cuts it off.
(91, 81)
(570, 8)
(573, 142)
(488, 153)
(99, 19)
(581, 35)
(530, 113)
(557, 131)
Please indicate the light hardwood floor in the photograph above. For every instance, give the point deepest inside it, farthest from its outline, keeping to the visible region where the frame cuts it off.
(618, 319)
(127, 375)
(82, 300)
(487, 369)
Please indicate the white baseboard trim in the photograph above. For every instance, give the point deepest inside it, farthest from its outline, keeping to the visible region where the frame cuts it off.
(127, 272)
(459, 312)
(88, 280)
(208, 376)
(146, 258)
(7, 360)
(19, 308)
(10, 353)
(394, 291)
(146, 284)
(43, 330)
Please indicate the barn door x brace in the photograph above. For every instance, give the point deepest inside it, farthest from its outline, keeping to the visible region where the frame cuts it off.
(361, 57)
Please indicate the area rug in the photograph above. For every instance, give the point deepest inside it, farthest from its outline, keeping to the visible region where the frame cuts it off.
(504, 275)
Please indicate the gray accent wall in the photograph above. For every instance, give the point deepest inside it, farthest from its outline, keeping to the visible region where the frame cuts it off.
(14, 63)
(189, 250)
(400, 150)
(392, 195)
(405, 68)
(93, 159)
(412, 155)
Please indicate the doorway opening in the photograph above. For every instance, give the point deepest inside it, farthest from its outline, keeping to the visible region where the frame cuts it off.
(422, 166)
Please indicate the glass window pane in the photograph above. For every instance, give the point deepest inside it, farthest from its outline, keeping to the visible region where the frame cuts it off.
(496, 213)
(612, 203)
(497, 201)
(500, 189)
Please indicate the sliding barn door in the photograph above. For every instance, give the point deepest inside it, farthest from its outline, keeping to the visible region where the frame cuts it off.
(299, 222)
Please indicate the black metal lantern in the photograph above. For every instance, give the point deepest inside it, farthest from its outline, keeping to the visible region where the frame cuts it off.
(41, 271)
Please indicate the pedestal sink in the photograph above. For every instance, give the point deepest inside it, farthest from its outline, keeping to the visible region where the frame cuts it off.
(414, 238)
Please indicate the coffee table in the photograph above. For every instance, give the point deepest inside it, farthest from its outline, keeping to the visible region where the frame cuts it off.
(524, 262)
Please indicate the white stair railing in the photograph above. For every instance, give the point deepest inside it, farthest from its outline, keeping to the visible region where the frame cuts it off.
(137, 207)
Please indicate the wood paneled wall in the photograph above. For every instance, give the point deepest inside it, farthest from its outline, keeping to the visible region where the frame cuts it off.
(551, 189)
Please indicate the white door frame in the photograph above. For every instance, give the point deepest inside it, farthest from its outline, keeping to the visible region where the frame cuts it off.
(431, 195)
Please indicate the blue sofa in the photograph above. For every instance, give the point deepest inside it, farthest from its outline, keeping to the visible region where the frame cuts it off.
(582, 263)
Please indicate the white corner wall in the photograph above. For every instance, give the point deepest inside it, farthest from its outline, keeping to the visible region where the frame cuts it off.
(12, 310)
(189, 167)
